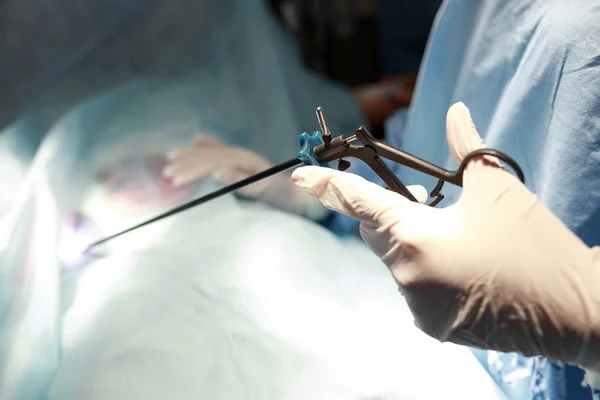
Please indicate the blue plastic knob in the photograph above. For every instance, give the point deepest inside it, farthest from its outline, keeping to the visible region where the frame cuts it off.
(307, 149)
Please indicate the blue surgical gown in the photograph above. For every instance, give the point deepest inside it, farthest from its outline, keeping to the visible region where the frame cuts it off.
(529, 70)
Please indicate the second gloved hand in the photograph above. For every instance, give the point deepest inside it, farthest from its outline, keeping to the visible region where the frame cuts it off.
(496, 270)
(210, 158)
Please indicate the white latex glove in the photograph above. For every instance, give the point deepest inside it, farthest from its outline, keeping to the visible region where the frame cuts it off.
(496, 270)
(209, 158)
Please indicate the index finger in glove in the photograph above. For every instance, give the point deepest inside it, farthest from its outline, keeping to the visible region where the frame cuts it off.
(354, 196)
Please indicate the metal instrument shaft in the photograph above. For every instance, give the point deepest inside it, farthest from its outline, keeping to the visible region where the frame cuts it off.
(211, 196)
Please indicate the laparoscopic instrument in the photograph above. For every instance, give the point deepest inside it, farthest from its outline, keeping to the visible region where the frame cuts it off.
(321, 148)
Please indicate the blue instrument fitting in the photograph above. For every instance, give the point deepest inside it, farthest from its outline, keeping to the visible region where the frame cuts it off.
(307, 149)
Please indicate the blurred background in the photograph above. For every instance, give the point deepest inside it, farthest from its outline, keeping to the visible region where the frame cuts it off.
(352, 42)
(359, 41)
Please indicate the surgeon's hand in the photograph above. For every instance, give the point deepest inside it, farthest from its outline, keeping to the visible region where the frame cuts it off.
(210, 158)
(496, 270)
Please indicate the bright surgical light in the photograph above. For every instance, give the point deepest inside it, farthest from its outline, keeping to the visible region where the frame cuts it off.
(74, 240)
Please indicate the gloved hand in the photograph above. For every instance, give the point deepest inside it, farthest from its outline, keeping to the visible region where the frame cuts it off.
(496, 270)
(210, 158)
